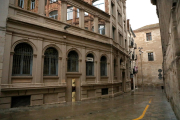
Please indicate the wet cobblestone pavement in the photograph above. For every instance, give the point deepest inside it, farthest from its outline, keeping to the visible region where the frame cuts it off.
(125, 107)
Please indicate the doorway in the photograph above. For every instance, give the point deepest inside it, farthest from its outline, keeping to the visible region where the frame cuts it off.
(132, 84)
(124, 81)
(73, 90)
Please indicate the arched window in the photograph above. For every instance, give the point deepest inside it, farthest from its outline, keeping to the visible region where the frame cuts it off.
(51, 62)
(53, 14)
(22, 60)
(114, 67)
(99, 4)
(73, 60)
(103, 66)
(90, 65)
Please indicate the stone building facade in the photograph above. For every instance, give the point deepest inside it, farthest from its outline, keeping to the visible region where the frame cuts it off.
(149, 38)
(133, 56)
(46, 59)
(168, 12)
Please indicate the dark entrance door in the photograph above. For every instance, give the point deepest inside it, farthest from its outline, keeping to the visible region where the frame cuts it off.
(132, 84)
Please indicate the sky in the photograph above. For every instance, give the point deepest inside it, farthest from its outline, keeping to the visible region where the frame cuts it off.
(141, 13)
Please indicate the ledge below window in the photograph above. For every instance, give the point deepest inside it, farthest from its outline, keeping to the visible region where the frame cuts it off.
(90, 77)
(21, 77)
(50, 77)
(73, 74)
(104, 77)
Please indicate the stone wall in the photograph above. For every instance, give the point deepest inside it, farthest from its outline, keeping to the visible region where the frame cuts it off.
(169, 16)
(149, 68)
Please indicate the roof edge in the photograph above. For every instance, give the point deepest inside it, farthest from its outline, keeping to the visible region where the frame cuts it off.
(153, 2)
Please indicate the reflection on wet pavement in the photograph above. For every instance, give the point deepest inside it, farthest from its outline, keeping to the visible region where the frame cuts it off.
(125, 107)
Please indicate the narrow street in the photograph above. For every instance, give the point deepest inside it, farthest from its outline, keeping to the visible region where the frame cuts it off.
(124, 107)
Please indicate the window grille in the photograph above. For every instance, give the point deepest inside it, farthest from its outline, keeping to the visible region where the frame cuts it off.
(103, 66)
(22, 60)
(150, 56)
(32, 4)
(70, 13)
(148, 36)
(21, 3)
(73, 60)
(51, 62)
(102, 29)
(104, 91)
(90, 66)
(53, 14)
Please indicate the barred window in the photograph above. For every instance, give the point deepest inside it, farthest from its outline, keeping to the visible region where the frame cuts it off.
(103, 66)
(90, 65)
(150, 56)
(148, 36)
(22, 60)
(21, 3)
(51, 62)
(73, 60)
(53, 14)
(32, 4)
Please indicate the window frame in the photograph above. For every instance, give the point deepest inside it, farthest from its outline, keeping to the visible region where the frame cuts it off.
(21, 3)
(112, 8)
(70, 13)
(101, 30)
(49, 58)
(55, 16)
(90, 65)
(99, 4)
(149, 36)
(71, 60)
(113, 33)
(33, 4)
(53, 1)
(20, 57)
(103, 64)
(150, 56)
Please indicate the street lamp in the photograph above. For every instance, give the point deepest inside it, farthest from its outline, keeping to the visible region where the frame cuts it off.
(140, 52)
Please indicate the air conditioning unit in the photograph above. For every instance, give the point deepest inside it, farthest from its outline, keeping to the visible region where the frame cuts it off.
(89, 59)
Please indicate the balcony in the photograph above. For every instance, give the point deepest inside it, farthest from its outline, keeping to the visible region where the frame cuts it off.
(135, 46)
(135, 57)
(132, 56)
(135, 70)
(131, 44)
